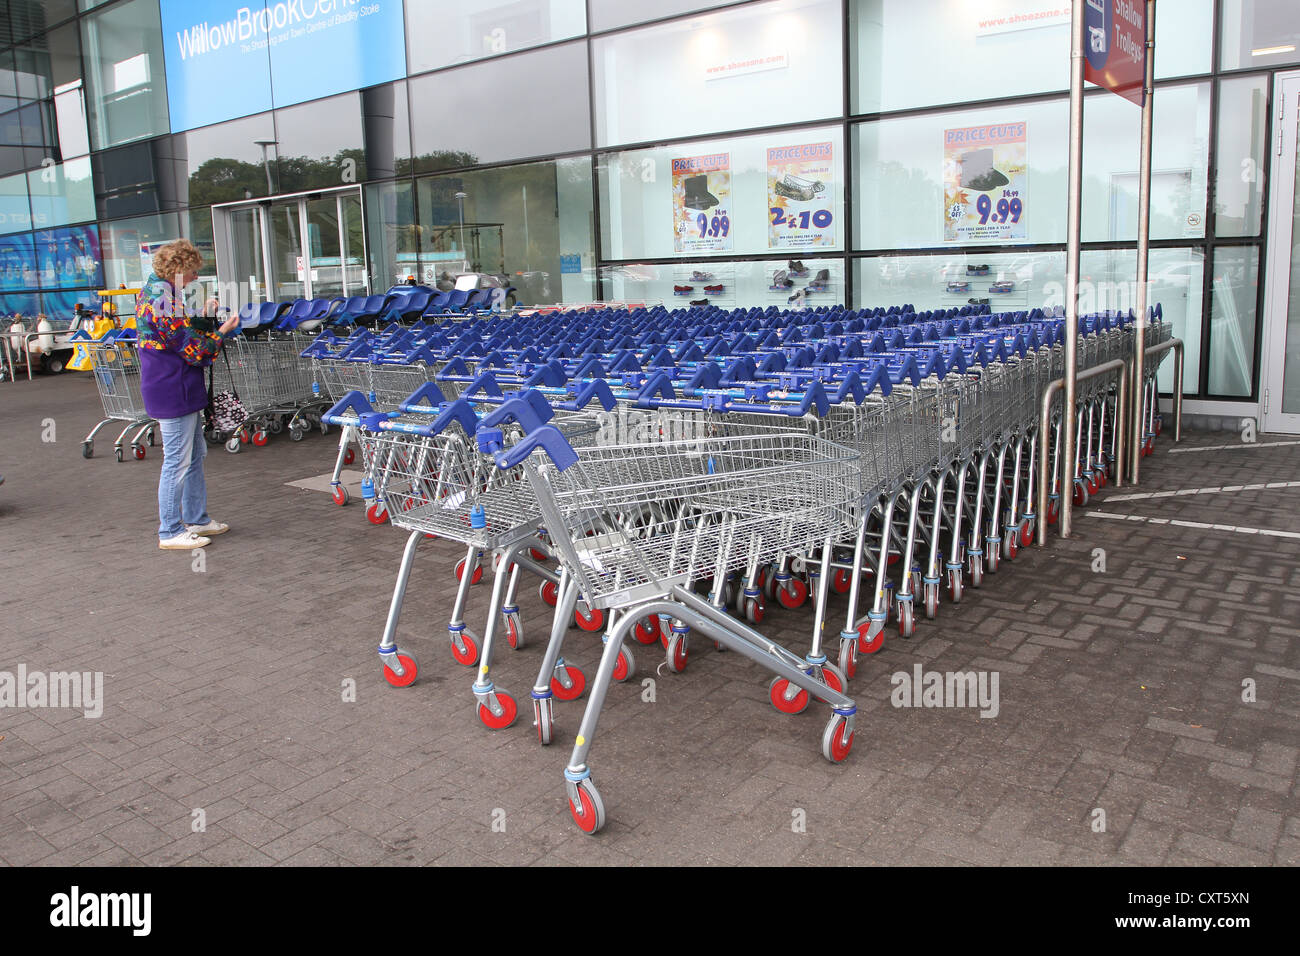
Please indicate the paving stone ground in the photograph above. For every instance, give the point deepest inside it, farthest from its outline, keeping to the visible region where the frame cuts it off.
(1120, 690)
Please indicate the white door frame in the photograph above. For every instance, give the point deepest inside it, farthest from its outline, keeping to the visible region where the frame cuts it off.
(1277, 272)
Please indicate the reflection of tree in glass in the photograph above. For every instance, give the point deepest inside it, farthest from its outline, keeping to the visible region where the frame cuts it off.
(227, 180)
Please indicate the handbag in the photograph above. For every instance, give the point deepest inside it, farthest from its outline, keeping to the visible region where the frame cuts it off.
(225, 412)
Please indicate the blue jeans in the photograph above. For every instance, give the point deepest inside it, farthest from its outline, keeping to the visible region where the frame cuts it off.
(182, 492)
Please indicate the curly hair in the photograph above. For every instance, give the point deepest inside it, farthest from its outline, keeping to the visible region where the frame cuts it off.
(175, 259)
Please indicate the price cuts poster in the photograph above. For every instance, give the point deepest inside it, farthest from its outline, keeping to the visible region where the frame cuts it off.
(702, 203)
(985, 182)
(800, 196)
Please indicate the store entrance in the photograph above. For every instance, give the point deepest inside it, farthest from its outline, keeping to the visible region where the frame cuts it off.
(1280, 398)
(308, 246)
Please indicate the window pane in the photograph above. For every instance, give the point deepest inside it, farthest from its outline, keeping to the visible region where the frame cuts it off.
(1179, 163)
(609, 14)
(24, 305)
(1183, 38)
(320, 144)
(1232, 320)
(1029, 41)
(527, 105)
(48, 60)
(67, 196)
(727, 285)
(120, 246)
(1108, 280)
(903, 200)
(27, 18)
(757, 65)
(1243, 128)
(474, 29)
(127, 179)
(15, 212)
(531, 223)
(17, 263)
(775, 191)
(223, 163)
(124, 71)
(959, 278)
(392, 235)
(69, 258)
(1259, 33)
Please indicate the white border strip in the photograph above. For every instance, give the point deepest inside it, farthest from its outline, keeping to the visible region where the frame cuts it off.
(1235, 445)
(1200, 525)
(1226, 489)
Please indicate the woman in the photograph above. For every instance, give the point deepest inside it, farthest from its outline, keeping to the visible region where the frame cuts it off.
(174, 350)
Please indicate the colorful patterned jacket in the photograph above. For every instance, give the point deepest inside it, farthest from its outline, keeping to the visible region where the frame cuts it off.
(173, 353)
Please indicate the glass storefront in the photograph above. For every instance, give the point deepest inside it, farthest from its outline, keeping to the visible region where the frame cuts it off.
(740, 152)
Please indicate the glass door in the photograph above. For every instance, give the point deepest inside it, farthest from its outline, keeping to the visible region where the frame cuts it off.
(293, 247)
(1280, 405)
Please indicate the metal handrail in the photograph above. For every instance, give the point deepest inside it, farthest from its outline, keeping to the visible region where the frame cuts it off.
(1045, 421)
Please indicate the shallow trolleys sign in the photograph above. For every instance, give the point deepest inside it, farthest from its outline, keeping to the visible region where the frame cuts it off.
(224, 57)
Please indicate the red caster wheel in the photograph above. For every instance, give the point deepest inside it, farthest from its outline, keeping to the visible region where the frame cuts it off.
(588, 811)
(840, 581)
(593, 620)
(340, 495)
(349, 457)
(677, 653)
(1160, 425)
(477, 575)
(139, 452)
(1026, 533)
(467, 653)
(779, 693)
(1053, 512)
(377, 513)
(647, 630)
(623, 665)
(754, 610)
(837, 739)
(514, 632)
(792, 594)
(832, 678)
(259, 438)
(874, 644)
(538, 555)
(410, 668)
(502, 720)
(549, 592)
(577, 683)
(849, 658)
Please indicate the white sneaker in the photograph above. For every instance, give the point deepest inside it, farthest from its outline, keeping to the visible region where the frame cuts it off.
(211, 528)
(185, 541)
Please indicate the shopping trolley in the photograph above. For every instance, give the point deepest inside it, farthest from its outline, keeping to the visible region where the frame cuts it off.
(634, 526)
(116, 367)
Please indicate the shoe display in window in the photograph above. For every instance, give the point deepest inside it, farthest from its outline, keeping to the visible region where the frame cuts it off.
(821, 282)
(977, 270)
(683, 289)
(701, 276)
(699, 301)
(1001, 288)
(957, 287)
(978, 301)
(797, 269)
(713, 289)
(697, 193)
(780, 281)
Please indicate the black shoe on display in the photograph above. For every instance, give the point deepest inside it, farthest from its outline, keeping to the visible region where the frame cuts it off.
(978, 301)
(699, 301)
(797, 269)
(697, 193)
(780, 281)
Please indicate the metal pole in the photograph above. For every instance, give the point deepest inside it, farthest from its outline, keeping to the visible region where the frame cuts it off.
(1069, 454)
(1144, 233)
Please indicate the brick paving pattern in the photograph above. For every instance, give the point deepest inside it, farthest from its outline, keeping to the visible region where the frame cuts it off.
(1120, 691)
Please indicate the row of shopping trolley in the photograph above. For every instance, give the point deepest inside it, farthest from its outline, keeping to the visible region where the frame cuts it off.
(667, 503)
(265, 381)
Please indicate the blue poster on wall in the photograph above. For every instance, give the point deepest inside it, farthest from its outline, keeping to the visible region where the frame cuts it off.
(17, 263)
(68, 258)
(224, 57)
(20, 304)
